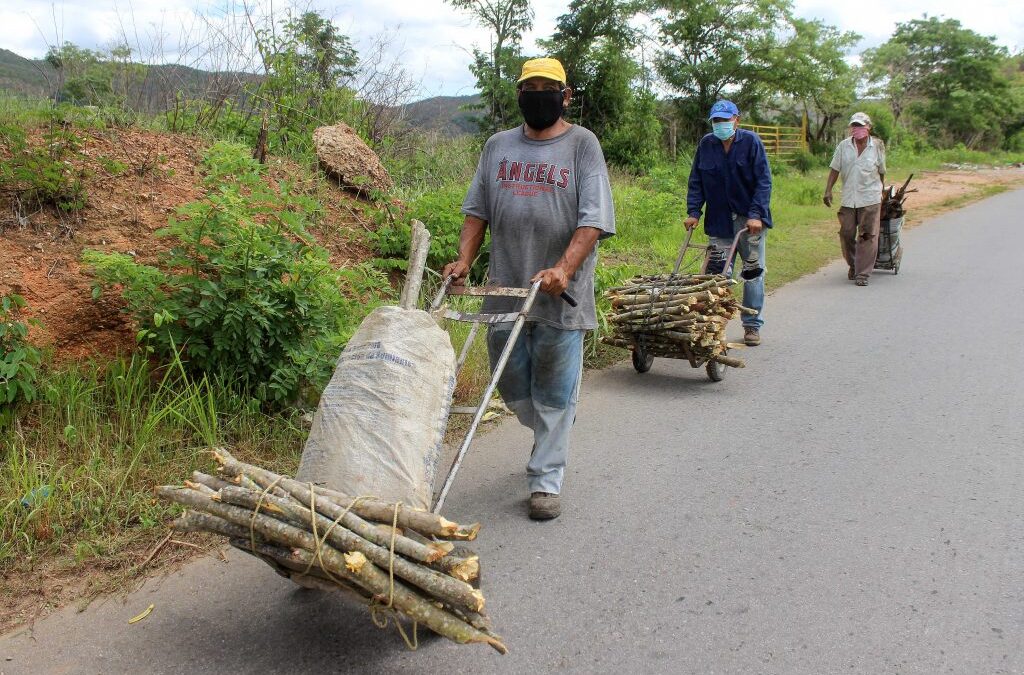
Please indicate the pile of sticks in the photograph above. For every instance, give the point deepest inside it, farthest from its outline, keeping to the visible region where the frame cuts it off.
(675, 316)
(892, 205)
(390, 557)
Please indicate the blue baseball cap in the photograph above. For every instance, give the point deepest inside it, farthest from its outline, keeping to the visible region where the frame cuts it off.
(723, 109)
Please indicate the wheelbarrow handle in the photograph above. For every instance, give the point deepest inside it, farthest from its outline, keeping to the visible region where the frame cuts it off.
(442, 292)
(732, 249)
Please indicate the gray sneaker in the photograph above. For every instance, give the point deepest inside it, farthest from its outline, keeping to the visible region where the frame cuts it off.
(544, 506)
(751, 337)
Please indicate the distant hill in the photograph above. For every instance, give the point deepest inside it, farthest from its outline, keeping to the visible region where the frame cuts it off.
(446, 114)
(37, 78)
(153, 93)
(25, 76)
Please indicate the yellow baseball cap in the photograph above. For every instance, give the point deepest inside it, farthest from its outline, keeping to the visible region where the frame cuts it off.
(548, 68)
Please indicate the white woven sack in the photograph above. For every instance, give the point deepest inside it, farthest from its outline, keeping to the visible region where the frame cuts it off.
(379, 428)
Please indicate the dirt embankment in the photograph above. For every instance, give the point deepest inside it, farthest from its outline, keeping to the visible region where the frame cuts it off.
(135, 180)
(940, 190)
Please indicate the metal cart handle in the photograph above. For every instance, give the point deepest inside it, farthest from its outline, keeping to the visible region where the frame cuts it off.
(450, 279)
(499, 368)
(687, 246)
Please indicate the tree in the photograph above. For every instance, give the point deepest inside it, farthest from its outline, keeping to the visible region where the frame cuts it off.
(83, 77)
(813, 70)
(946, 75)
(1013, 70)
(307, 64)
(611, 94)
(709, 49)
(496, 70)
(323, 50)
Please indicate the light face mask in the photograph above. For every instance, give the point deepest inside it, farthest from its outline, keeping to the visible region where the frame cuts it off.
(723, 131)
(860, 133)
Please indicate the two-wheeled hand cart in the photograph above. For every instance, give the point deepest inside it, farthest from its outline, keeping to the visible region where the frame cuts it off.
(890, 227)
(642, 359)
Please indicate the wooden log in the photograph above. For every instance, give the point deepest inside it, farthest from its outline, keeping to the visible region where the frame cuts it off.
(710, 294)
(211, 482)
(372, 532)
(463, 568)
(414, 606)
(376, 510)
(302, 573)
(437, 584)
(199, 521)
(419, 247)
(730, 361)
(354, 566)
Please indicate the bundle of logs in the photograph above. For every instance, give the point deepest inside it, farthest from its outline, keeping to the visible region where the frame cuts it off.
(675, 316)
(387, 556)
(892, 204)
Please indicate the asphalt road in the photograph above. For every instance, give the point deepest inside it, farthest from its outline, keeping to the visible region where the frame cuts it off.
(852, 501)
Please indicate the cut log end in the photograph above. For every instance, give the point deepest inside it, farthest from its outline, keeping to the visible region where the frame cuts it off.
(354, 561)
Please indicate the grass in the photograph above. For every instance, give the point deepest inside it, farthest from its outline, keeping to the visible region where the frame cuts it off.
(77, 472)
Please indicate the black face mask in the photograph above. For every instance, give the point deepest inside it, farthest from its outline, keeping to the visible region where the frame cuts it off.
(540, 109)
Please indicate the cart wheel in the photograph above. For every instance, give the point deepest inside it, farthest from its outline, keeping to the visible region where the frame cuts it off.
(642, 361)
(716, 371)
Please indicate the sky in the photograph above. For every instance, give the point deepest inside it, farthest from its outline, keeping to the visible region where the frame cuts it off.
(433, 41)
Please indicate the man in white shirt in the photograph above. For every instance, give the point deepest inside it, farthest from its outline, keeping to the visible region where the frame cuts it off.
(860, 160)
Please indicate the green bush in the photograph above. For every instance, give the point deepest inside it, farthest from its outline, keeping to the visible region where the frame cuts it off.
(1015, 143)
(19, 360)
(44, 176)
(778, 166)
(245, 293)
(804, 161)
(440, 211)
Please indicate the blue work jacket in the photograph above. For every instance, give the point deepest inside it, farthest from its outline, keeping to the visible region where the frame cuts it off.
(739, 181)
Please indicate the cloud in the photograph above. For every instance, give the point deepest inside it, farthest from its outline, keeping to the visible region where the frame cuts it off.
(432, 40)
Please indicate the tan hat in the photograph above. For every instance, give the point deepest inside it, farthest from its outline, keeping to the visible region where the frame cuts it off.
(548, 68)
(861, 119)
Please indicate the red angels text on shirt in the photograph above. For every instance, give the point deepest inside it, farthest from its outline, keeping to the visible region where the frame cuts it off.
(533, 172)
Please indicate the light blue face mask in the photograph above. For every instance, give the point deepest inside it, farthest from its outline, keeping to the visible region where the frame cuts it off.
(723, 130)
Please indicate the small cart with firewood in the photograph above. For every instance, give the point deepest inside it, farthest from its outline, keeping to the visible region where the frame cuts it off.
(890, 227)
(678, 316)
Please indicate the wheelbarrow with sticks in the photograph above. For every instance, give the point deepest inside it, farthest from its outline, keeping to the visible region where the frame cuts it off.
(661, 327)
(361, 515)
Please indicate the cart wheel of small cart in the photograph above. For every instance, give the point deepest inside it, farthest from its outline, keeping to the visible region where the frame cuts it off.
(716, 371)
(642, 361)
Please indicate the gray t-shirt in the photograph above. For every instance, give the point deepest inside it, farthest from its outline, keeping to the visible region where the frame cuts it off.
(534, 195)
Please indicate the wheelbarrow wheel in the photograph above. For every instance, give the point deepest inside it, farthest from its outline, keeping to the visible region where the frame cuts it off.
(716, 371)
(642, 361)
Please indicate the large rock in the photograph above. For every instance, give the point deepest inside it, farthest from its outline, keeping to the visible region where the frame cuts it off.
(344, 156)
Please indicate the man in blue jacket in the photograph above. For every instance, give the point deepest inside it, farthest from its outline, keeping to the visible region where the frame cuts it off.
(730, 175)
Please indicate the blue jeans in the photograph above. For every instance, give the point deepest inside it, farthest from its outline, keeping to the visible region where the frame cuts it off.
(540, 385)
(753, 289)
